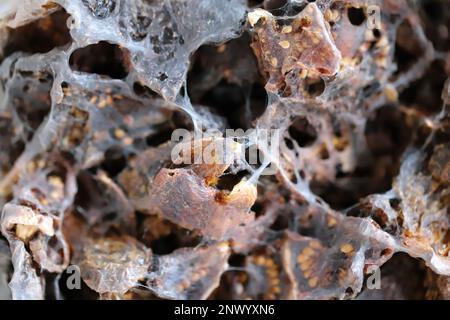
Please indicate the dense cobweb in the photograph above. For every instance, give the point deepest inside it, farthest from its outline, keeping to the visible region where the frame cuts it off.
(359, 170)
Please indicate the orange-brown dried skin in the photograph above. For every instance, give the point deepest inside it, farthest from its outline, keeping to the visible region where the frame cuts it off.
(183, 197)
(304, 44)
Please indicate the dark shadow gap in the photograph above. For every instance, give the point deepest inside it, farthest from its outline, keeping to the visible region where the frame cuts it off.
(102, 58)
(39, 36)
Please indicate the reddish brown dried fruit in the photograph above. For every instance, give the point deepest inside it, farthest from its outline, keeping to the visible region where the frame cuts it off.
(301, 47)
(183, 197)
